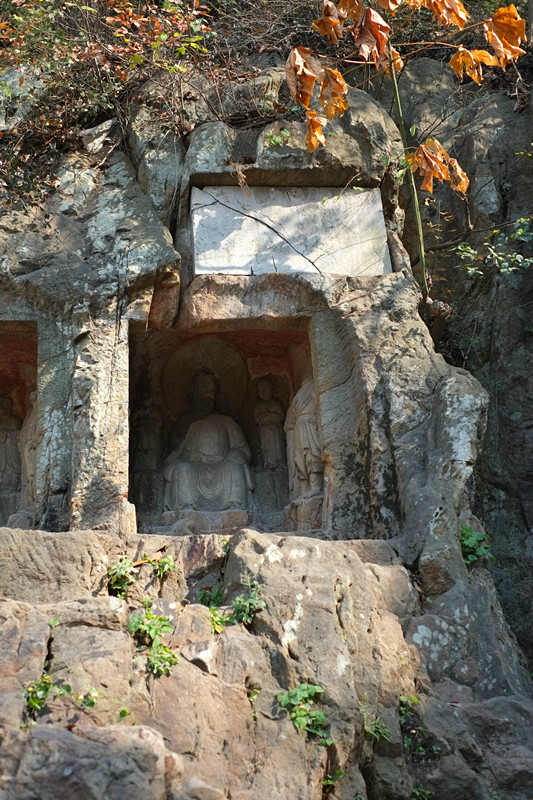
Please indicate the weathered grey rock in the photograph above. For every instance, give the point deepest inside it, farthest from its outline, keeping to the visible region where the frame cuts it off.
(329, 619)
(385, 607)
(158, 158)
(112, 763)
(489, 335)
(40, 567)
(25, 634)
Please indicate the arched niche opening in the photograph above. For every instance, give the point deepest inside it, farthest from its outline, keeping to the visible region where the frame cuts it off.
(209, 443)
(18, 422)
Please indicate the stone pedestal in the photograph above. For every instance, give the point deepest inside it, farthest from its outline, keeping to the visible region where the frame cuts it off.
(206, 521)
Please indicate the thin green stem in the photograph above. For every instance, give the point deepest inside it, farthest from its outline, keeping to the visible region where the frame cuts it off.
(411, 179)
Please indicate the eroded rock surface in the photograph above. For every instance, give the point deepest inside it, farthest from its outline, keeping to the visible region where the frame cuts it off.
(369, 597)
(346, 616)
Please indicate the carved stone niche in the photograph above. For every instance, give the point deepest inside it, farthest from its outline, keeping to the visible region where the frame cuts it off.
(208, 440)
(18, 424)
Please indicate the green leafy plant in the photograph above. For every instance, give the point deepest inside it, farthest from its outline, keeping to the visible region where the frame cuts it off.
(331, 780)
(89, 699)
(278, 139)
(474, 545)
(417, 745)
(160, 659)
(406, 705)
(148, 629)
(212, 596)
(378, 729)
(219, 620)
(37, 693)
(421, 794)
(499, 253)
(252, 694)
(300, 703)
(374, 726)
(245, 606)
(122, 714)
(120, 575)
(162, 566)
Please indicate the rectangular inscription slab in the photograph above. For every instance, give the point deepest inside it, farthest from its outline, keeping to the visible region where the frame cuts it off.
(272, 229)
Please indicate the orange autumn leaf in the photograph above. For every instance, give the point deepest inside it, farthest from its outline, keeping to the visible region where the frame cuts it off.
(302, 72)
(331, 93)
(371, 36)
(470, 61)
(397, 62)
(353, 9)
(458, 177)
(449, 12)
(432, 161)
(314, 130)
(389, 5)
(330, 23)
(504, 32)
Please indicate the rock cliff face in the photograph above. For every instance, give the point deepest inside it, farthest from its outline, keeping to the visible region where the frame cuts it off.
(364, 591)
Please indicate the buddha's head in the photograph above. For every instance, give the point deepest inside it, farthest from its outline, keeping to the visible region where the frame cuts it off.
(204, 390)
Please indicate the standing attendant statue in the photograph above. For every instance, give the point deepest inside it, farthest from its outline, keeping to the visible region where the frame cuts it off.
(268, 416)
(304, 450)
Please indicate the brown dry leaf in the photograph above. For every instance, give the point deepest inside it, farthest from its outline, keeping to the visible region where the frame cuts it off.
(331, 93)
(470, 61)
(389, 5)
(353, 9)
(414, 3)
(449, 12)
(458, 177)
(371, 36)
(432, 161)
(397, 62)
(504, 32)
(302, 71)
(330, 23)
(314, 130)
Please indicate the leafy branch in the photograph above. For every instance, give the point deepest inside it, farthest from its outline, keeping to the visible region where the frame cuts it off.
(84, 59)
(504, 32)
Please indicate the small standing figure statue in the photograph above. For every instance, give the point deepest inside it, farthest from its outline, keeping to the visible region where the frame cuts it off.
(304, 450)
(9, 460)
(268, 416)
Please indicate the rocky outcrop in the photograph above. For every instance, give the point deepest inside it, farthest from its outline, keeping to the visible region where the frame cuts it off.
(421, 683)
(346, 616)
(490, 333)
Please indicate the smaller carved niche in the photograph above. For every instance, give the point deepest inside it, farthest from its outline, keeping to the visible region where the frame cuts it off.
(18, 423)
